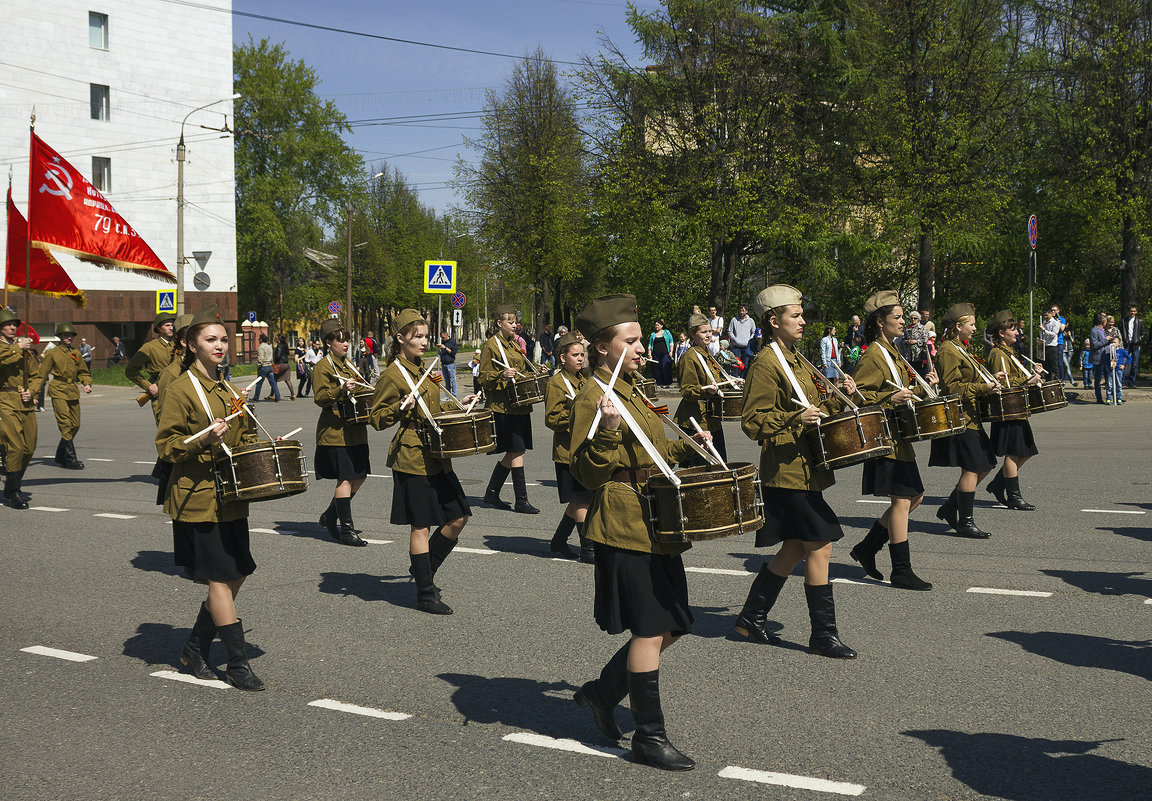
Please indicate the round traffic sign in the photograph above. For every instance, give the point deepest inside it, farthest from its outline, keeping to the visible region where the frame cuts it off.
(1032, 231)
(458, 300)
(334, 307)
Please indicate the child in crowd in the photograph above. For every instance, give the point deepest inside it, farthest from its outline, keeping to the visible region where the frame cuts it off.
(474, 366)
(1086, 363)
(1123, 363)
(728, 360)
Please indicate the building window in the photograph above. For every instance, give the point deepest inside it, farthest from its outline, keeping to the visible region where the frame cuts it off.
(102, 173)
(98, 30)
(100, 104)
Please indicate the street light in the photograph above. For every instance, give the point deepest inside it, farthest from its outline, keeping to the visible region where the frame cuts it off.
(348, 299)
(180, 201)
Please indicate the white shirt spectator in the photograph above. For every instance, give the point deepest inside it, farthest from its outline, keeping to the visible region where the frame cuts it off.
(717, 324)
(1050, 333)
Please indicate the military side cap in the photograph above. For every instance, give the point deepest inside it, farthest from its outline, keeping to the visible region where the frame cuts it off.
(606, 311)
(65, 328)
(206, 316)
(1001, 319)
(957, 311)
(774, 297)
(563, 342)
(505, 308)
(164, 317)
(696, 320)
(182, 322)
(885, 297)
(404, 319)
(8, 316)
(330, 327)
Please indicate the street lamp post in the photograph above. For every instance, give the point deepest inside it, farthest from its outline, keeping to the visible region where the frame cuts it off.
(348, 297)
(180, 152)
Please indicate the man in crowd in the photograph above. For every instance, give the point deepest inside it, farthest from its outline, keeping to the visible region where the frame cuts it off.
(1132, 335)
(264, 370)
(546, 347)
(854, 330)
(119, 353)
(740, 332)
(86, 353)
(717, 323)
(448, 348)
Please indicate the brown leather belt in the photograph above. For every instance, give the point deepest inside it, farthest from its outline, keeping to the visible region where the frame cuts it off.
(413, 426)
(634, 475)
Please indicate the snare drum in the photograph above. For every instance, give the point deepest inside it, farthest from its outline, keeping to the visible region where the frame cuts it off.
(1046, 397)
(357, 407)
(709, 503)
(648, 387)
(261, 471)
(1007, 404)
(849, 438)
(526, 390)
(460, 434)
(730, 407)
(929, 418)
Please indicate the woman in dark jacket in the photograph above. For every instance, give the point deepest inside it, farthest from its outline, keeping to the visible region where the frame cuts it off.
(282, 358)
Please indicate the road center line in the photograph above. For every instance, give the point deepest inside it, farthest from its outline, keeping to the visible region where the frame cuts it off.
(48, 509)
(790, 780)
(719, 571)
(71, 656)
(143, 463)
(575, 746)
(873, 500)
(92, 459)
(858, 581)
(995, 591)
(378, 542)
(462, 549)
(1115, 511)
(367, 711)
(272, 531)
(174, 676)
(114, 516)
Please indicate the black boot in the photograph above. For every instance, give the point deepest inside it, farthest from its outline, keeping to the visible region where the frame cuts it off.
(902, 575)
(761, 598)
(346, 532)
(520, 485)
(12, 493)
(587, 547)
(328, 520)
(427, 596)
(239, 673)
(560, 538)
(825, 640)
(71, 461)
(61, 456)
(495, 483)
(965, 524)
(996, 486)
(604, 694)
(195, 654)
(439, 547)
(947, 512)
(1015, 500)
(650, 744)
(866, 550)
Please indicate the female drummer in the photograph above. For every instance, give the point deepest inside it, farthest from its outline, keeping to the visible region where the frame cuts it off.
(559, 394)
(341, 445)
(501, 363)
(426, 493)
(1011, 439)
(701, 380)
(640, 584)
(895, 477)
(970, 451)
(209, 536)
(163, 470)
(795, 512)
(19, 384)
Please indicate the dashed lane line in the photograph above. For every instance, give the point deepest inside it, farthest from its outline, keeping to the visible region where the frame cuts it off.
(272, 531)
(1148, 600)
(114, 516)
(719, 571)
(873, 500)
(184, 677)
(1115, 511)
(574, 746)
(790, 780)
(93, 459)
(143, 463)
(996, 591)
(71, 656)
(377, 542)
(367, 711)
(858, 581)
(486, 551)
(48, 509)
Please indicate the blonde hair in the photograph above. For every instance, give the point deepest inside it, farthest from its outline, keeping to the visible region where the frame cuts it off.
(954, 329)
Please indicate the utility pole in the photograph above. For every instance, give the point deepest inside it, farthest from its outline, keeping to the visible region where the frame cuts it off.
(348, 297)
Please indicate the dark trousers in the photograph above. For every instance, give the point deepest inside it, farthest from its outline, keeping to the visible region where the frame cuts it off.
(1100, 373)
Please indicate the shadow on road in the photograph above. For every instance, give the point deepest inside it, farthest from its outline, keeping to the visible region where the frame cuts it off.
(1083, 650)
(157, 562)
(1105, 583)
(542, 707)
(396, 590)
(72, 479)
(160, 644)
(308, 531)
(1142, 533)
(1033, 768)
(529, 544)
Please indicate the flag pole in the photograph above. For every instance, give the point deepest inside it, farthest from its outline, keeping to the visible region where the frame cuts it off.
(28, 246)
(7, 222)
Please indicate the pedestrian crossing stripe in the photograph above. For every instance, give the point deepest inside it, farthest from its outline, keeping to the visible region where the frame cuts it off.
(439, 277)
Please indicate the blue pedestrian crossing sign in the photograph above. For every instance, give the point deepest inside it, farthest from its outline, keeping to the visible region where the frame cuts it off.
(439, 277)
(165, 301)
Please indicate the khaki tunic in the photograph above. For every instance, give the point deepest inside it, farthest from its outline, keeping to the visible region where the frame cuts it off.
(63, 362)
(694, 376)
(958, 376)
(166, 375)
(17, 418)
(1000, 358)
(772, 419)
(327, 388)
(558, 411)
(872, 375)
(146, 364)
(492, 375)
(406, 453)
(192, 494)
(615, 516)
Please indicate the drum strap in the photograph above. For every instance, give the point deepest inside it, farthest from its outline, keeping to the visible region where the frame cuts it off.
(1020, 367)
(642, 438)
(709, 373)
(568, 384)
(419, 397)
(980, 371)
(800, 393)
(892, 366)
(207, 409)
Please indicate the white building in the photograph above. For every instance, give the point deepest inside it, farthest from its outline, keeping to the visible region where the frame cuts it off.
(111, 82)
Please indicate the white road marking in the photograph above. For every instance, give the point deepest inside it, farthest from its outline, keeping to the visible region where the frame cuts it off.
(1115, 511)
(91, 459)
(462, 549)
(719, 571)
(574, 746)
(377, 542)
(873, 500)
(367, 711)
(995, 591)
(49, 509)
(184, 677)
(1148, 600)
(379, 475)
(789, 780)
(272, 531)
(856, 581)
(114, 516)
(71, 656)
(143, 463)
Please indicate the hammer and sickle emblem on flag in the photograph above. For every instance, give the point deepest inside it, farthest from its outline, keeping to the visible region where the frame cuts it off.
(58, 175)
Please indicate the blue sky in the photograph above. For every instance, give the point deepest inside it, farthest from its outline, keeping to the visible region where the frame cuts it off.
(369, 78)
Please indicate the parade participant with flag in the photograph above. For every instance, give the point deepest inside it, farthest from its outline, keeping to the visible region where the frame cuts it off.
(19, 384)
(67, 369)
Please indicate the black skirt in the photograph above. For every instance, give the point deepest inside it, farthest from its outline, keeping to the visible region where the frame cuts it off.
(884, 477)
(970, 451)
(571, 490)
(427, 501)
(644, 593)
(513, 432)
(1013, 438)
(342, 462)
(797, 515)
(213, 551)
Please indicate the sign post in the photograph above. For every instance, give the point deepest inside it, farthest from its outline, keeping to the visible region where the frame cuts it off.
(1032, 230)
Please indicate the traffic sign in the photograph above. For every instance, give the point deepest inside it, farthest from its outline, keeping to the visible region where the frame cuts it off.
(334, 307)
(457, 317)
(458, 300)
(165, 300)
(1032, 231)
(439, 277)
(251, 317)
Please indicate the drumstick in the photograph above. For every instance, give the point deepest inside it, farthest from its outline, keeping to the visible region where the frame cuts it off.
(611, 383)
(293, 431)
(682, 434)
(708, 444)
(468, 409)
(927, 387)
(204, 431)
(506, 366)
(827, 382)
(415, 390)
(254, 383)
(841, 372)
(806, 404)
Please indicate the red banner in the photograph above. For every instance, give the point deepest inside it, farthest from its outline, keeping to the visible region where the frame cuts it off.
(47, 277)
(68, 213)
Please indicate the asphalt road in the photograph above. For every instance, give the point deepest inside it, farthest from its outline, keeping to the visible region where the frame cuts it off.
(957, 693)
